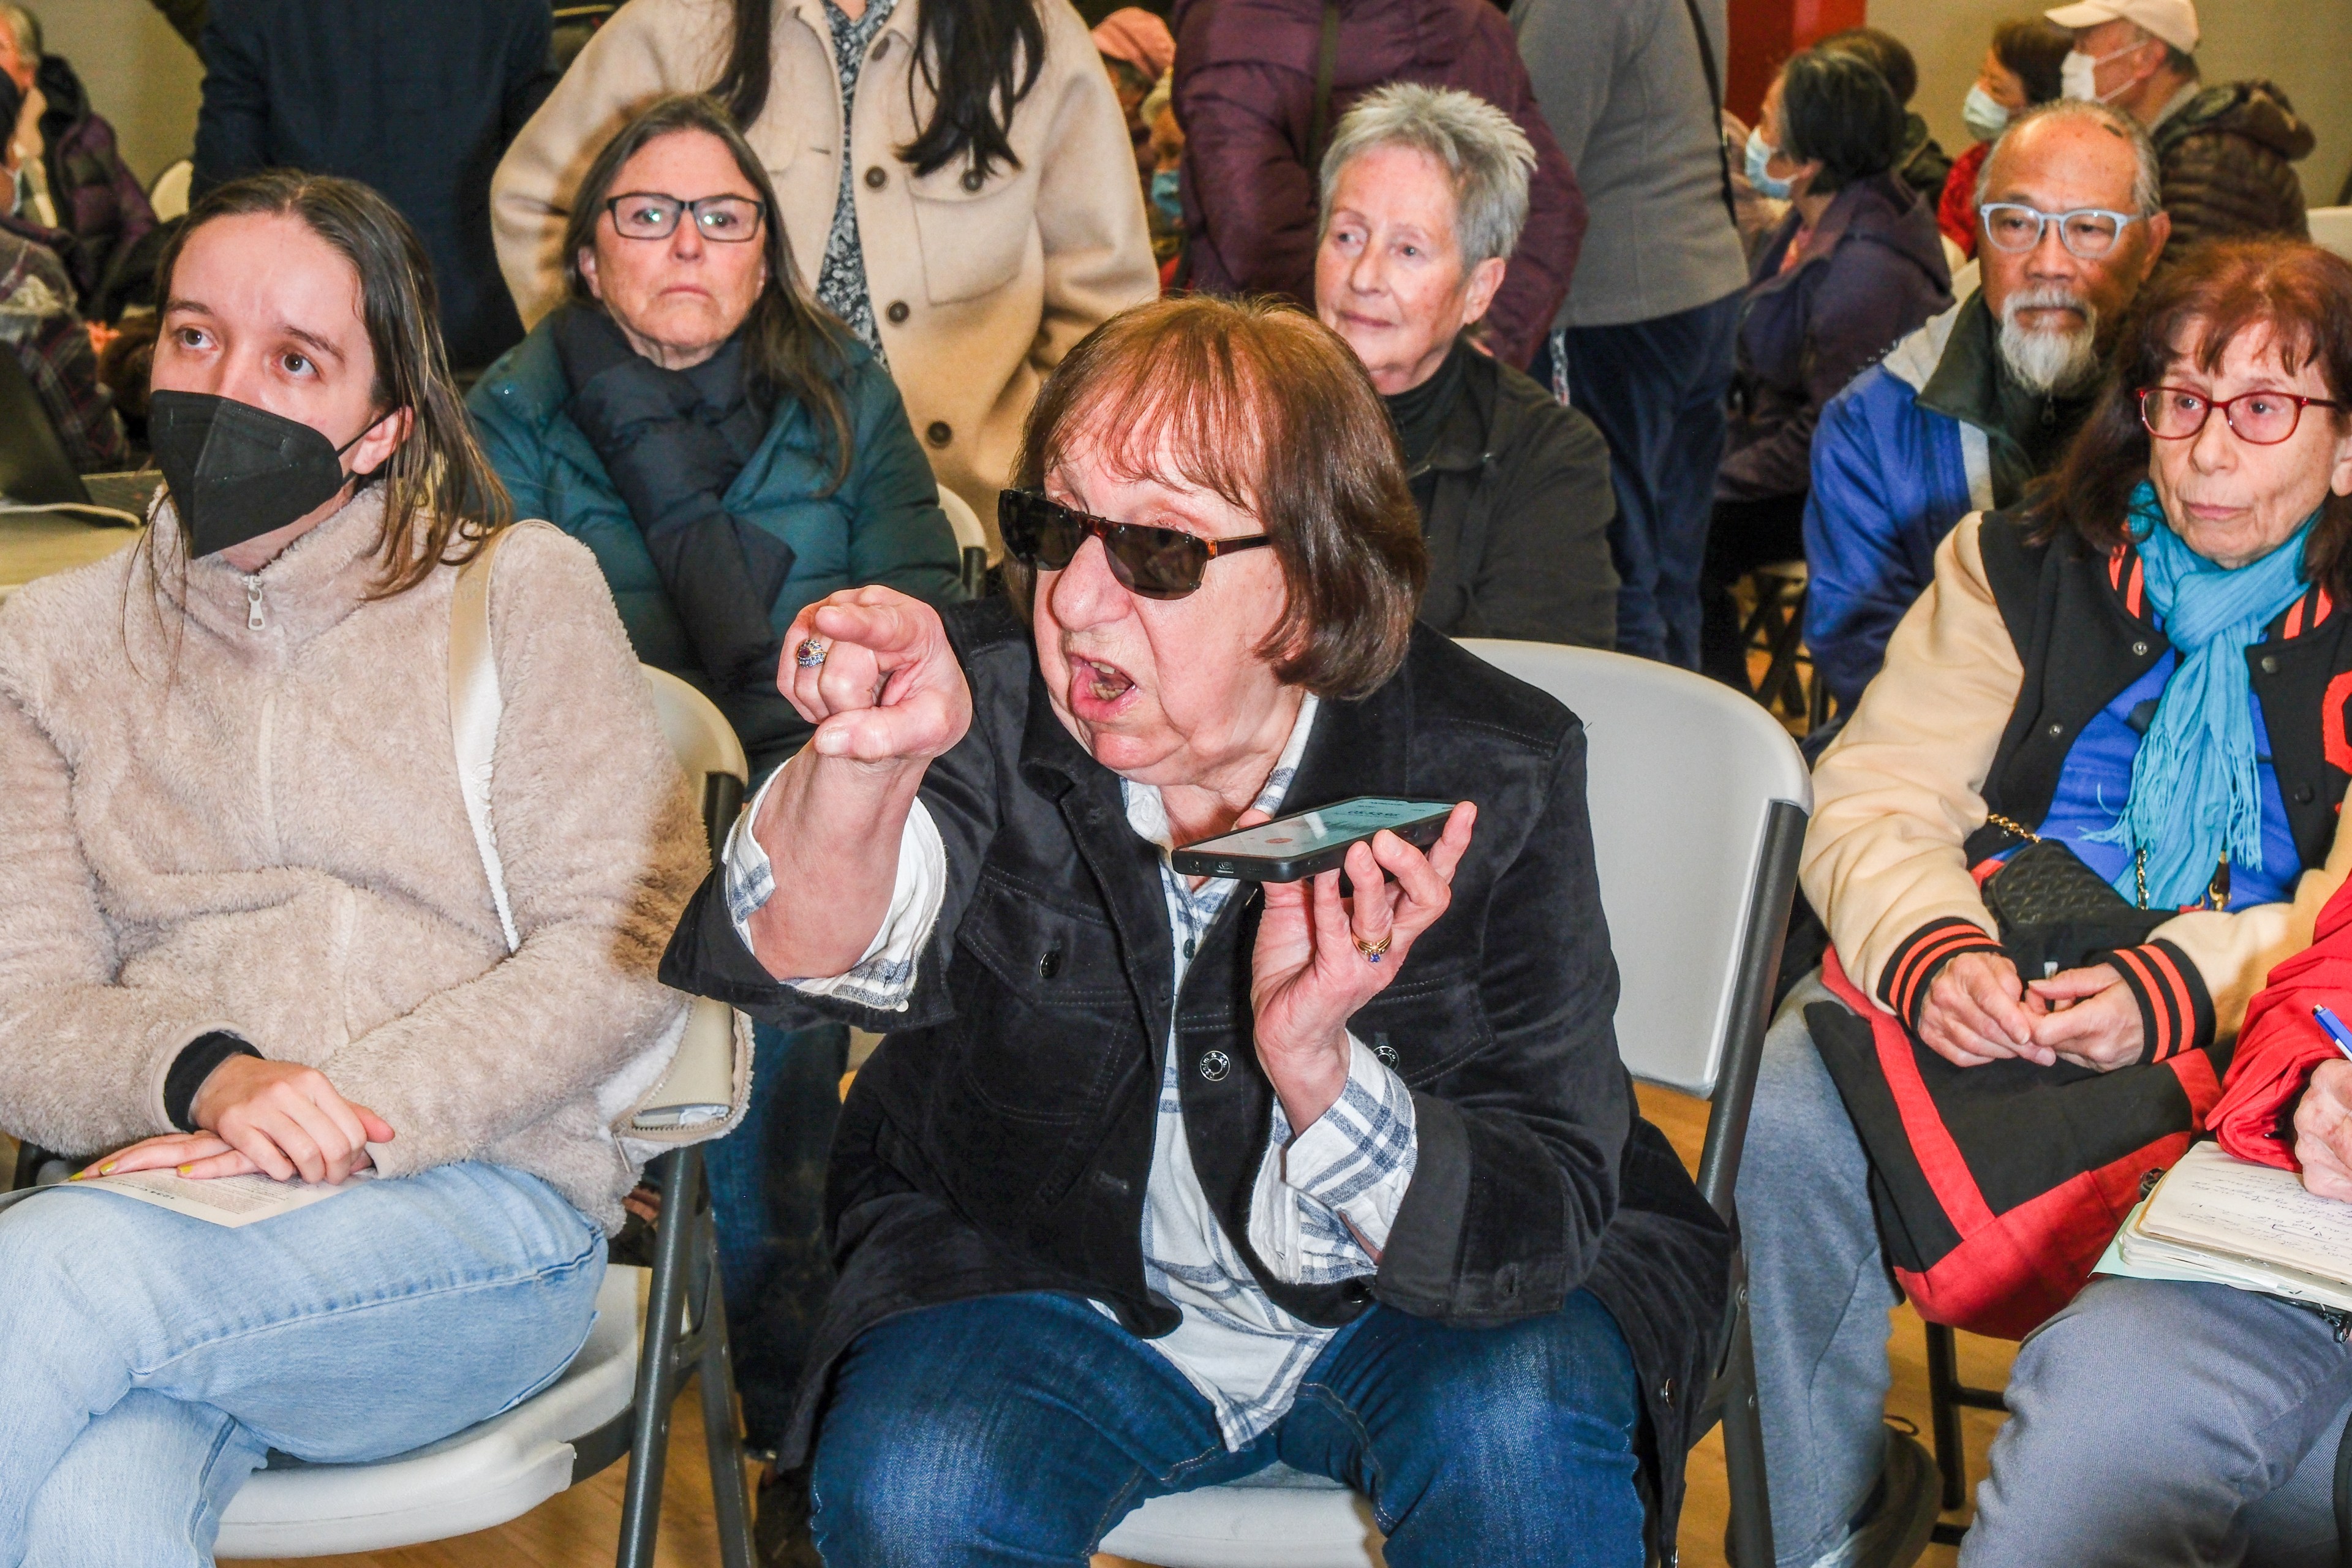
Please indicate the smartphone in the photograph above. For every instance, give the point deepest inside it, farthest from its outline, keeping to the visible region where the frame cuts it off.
(1290, 847)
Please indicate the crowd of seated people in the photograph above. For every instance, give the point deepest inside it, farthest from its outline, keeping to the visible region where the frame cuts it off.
(1157, 1179)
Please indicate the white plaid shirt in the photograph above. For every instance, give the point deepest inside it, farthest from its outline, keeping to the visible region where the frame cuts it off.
(1324, 1201)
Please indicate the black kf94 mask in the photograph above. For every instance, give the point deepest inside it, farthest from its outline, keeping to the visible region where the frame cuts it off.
(237, 472)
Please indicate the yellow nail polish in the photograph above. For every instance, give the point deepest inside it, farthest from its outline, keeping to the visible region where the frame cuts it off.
(77, 1175)
(107, 1169)
(184, 1170)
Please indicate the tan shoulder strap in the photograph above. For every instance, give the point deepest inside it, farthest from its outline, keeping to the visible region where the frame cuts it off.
(476, 707)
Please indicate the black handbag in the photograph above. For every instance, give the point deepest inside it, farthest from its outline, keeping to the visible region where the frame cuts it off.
(2054, 911)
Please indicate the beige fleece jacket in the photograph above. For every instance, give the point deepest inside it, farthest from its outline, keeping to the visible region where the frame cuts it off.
(1898, 792)
(213, 824)
(978, 290)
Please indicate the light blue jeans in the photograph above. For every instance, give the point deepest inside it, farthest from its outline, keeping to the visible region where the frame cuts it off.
(149, 1362)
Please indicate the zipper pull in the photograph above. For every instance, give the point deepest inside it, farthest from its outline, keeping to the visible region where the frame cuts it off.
(253, 604)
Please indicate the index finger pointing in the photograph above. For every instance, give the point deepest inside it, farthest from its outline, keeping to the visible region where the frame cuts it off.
(884, 628)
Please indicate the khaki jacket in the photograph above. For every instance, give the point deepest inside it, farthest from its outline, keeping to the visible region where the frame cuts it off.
(978, 290)
(1898, 794)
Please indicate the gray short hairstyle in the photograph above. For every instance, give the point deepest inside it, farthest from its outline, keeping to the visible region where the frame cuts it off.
(1490, 158)
(2147, 176)
(27, 28)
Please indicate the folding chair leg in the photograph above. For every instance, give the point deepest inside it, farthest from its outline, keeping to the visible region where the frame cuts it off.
(1943, 1414)
(1743, 1440)
(680, 1173)
(729, 1501)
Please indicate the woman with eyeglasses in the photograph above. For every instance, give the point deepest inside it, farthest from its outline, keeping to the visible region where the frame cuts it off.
(731, 455)
(2146, 667)
(1160, 1179)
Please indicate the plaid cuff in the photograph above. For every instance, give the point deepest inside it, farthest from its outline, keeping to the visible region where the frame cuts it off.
(1326, 1200)
(2176, 1011)
(1914, 965)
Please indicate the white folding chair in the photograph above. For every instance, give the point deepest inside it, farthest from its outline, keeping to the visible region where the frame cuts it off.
(169, 195)
(2331, 228)
(971, 538)
(1698, 802)
(614, 1399)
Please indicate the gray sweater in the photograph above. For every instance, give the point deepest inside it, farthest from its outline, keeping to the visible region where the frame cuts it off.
(1621, 84)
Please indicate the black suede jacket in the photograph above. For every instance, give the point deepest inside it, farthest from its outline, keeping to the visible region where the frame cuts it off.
(1000, 1139)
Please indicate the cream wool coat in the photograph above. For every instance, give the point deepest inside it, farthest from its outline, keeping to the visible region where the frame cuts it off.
(208, 825)
(979, 291)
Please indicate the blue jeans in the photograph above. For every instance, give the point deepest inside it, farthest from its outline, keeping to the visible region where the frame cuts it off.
(1019, 1429)
(1656, 390)
(149, 1361)
(767, 1194)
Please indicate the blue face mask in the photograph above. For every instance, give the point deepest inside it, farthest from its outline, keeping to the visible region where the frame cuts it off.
(1163, 194)
(1759, 153)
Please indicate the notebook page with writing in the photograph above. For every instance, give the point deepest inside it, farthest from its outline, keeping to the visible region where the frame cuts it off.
(2213, 1201)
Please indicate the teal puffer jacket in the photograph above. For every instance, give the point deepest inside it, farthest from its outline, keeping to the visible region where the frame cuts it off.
(882, 525)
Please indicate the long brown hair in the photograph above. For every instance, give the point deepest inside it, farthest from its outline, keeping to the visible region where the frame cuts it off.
(441, 497)
(1262, 405)
(2192, 310)
(791, 349)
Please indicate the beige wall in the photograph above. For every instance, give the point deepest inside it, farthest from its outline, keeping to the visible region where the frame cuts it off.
(2305, 46)
(140, 75)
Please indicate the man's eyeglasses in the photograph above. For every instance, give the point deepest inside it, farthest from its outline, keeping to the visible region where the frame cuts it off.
(1155, 563)
(2262, 418)
(649, 214)
(2087, 232)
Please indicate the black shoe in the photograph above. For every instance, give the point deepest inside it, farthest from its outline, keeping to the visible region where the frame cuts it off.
(781, 1535)
(1893, 1527)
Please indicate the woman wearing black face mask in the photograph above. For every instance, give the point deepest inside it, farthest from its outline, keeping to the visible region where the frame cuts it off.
(979, 216)
(249, 932)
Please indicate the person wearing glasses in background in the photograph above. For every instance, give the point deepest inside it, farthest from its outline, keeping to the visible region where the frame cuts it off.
(731, 454)
(2148, 665)
(1962, 414)
(1160, 1179)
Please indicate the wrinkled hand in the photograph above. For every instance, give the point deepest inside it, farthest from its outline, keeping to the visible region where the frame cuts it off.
(890, 689)
(2090, 1017)
(1979, 1011)
(2323, 1131)
(1307, 977)
(281, 1120)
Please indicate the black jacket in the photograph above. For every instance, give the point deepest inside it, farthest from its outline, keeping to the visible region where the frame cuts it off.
(999, 1140)
(1516, 504)
(2228, 159)
(418, 99)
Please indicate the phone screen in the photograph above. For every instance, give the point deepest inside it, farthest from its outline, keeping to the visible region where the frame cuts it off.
(1289, 838)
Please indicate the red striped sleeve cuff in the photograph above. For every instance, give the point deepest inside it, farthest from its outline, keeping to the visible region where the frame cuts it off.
(1902, 988)
(2175, 1009)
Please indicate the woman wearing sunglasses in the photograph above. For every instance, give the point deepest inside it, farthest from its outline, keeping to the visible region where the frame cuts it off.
(1159, 1181)
(731, 455)
(2147, 667)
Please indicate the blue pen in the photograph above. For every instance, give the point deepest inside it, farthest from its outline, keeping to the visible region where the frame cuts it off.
(2336, 1029)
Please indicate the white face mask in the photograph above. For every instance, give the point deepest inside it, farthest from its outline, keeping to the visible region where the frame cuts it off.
(1983, 114)
(2078, 74)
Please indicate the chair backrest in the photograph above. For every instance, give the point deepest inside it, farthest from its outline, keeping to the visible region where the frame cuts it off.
(971, 539)
(2331, 227)
(169, 195)
(705, 748)
(32, 462)
(1698, 801)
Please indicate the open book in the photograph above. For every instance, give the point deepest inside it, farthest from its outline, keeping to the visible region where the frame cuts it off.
(2220, 1220)
(221, 1200)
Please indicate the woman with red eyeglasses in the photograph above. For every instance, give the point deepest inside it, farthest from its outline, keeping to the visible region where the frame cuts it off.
(2089, 801)
(1161, 1180)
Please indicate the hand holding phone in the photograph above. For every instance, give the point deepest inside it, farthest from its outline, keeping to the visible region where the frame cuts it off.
(1304, 844)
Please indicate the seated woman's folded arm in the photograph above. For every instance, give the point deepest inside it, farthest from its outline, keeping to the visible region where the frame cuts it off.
(2280, 1043)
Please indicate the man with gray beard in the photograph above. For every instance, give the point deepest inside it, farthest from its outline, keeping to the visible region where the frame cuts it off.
(1962, 415)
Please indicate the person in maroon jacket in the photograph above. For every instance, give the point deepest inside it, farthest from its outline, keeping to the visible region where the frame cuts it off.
(1246, 87)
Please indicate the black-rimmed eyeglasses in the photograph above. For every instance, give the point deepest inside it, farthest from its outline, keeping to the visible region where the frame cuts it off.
(1155, 563)
(649, 215)
(2260, 418)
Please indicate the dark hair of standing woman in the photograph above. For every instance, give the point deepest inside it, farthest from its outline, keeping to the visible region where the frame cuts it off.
(978, 58)
(441, 497)
(2036, 50)
(791, 349)
(1838, 108)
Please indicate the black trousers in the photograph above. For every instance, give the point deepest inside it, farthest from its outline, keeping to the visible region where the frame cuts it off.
(1741, 536)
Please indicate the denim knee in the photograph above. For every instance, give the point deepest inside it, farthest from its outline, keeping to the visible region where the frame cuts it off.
(911, 1491)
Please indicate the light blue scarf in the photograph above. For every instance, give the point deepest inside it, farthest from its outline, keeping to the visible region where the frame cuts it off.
(2195, 794)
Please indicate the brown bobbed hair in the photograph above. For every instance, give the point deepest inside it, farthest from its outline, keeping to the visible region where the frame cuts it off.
(793, 352)
(1262, 405)
(441, 497)
(2192, 310)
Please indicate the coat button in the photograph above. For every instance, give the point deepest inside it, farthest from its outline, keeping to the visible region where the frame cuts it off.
(876, 179)
(1215, 1064)
(1666, 1391)
(2303, 792)
(1386, 1052)
(939, 433)
(2139, 651)
(897, 312)
(881, 47)
(973, 180)
(2057, 729)
(1050, 964)
(2270, 664)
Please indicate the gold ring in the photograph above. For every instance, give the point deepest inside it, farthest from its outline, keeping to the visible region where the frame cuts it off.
(1372, 951)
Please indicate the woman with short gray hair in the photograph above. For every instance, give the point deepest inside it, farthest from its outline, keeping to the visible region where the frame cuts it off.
(1424, 193)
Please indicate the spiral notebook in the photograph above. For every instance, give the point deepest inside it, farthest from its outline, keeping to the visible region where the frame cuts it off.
(2220, 1220)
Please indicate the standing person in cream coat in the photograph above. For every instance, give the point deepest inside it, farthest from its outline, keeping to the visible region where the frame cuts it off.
(968, 243)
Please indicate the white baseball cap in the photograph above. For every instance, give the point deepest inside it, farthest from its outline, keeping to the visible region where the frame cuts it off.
(2174, 21)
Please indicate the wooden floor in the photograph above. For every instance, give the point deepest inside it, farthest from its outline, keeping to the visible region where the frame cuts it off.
(580, 1528)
